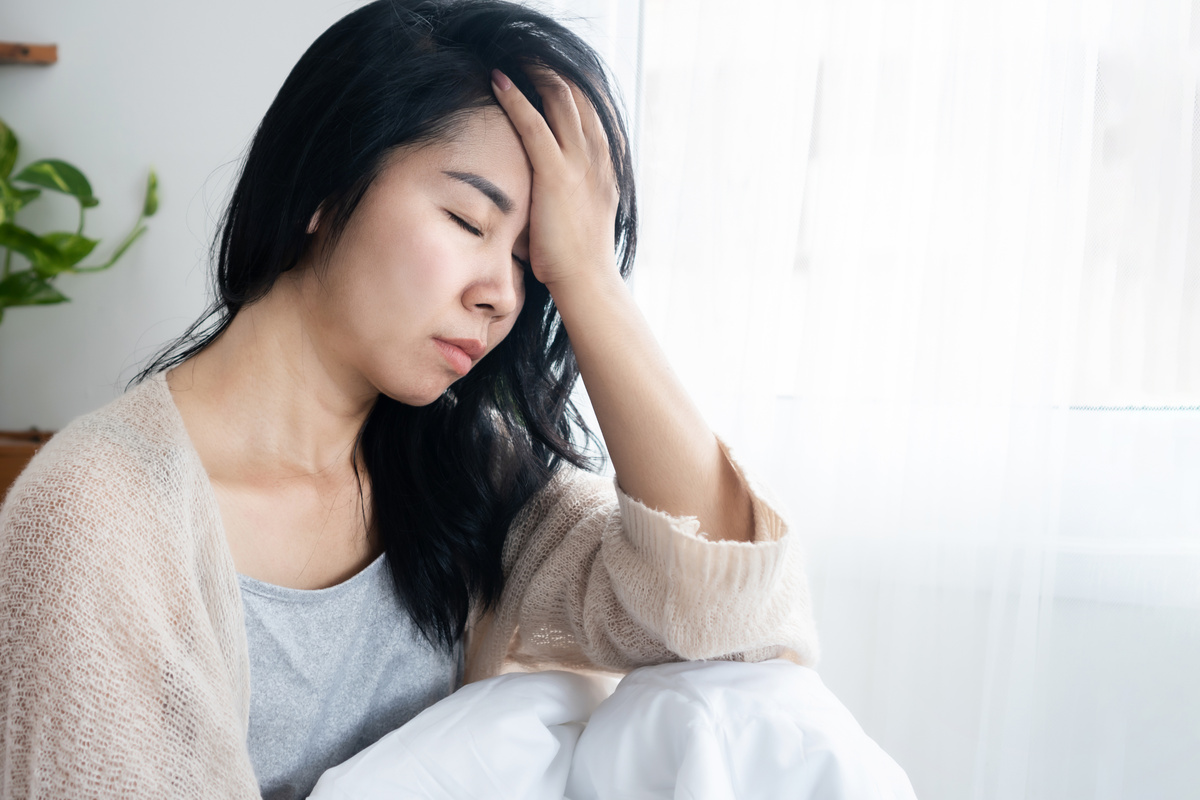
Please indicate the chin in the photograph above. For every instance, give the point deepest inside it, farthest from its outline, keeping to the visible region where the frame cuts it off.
(417, 396)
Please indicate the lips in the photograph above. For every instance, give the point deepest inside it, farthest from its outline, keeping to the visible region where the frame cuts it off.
(460, 353)
(472, 347)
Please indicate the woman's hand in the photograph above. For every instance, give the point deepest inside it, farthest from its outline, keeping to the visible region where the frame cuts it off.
(662, 449)
(574, 205)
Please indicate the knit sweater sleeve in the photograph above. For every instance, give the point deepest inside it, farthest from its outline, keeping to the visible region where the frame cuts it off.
(596, 579)
(112, 679)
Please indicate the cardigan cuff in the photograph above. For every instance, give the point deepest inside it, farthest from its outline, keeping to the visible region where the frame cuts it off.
(677, 544)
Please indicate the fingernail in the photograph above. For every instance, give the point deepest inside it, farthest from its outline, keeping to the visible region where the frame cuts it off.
(501, 80)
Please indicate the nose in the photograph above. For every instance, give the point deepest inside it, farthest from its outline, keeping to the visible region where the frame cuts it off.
(498, 291)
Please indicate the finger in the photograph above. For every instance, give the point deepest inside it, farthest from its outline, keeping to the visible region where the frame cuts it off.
(559, 102)
(599, 155)
(593, 130)
(540, 145)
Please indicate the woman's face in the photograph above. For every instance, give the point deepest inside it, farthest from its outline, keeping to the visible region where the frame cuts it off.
(428, 275)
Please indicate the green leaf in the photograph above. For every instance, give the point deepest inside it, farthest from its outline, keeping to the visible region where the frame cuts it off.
(28, 244)
(8, 149)
(133, 236)
(13, 199)
(72, 249)
(25, 196)
(151, 203)
(59, 176)
(26, 288)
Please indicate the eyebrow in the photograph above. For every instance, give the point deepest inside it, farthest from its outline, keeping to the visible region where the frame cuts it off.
(493, 192)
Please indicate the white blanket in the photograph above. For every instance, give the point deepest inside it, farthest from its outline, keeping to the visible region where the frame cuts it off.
(694, 731)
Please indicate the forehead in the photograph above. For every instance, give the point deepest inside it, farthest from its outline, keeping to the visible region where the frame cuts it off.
(484, 142)
(486, 131)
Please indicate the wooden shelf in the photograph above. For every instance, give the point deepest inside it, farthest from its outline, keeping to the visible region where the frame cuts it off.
(21, 53)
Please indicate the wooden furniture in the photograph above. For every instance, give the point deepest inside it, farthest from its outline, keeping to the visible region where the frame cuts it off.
(21, 53)
(16, 448)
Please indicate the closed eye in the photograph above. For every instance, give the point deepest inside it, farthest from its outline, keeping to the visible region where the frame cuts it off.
(471, 229)
(466, 226)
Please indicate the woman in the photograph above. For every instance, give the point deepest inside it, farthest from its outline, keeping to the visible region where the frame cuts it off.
(282, 542)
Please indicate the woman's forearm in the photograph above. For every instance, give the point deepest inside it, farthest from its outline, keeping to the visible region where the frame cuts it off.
(663, 451)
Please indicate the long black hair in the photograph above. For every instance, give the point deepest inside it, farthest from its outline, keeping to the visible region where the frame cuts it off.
(448, 478)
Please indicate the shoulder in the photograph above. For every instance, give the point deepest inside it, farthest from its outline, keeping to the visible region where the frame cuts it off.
(136, 435)
(139, 427)
(106, 471)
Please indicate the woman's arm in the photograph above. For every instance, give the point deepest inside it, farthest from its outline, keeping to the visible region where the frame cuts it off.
(113, 678)
(664, 453)
(595, 579)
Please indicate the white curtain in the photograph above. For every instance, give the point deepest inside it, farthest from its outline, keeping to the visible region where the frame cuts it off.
(933, 266)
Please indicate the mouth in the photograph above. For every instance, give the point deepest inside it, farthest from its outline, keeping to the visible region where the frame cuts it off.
(460, 354)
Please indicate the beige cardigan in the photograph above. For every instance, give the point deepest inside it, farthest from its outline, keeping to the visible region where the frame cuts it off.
(123, 661)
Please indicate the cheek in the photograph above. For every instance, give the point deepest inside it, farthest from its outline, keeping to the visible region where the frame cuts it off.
(402, 275)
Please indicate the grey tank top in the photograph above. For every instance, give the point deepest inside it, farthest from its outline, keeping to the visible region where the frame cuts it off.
(331, 672)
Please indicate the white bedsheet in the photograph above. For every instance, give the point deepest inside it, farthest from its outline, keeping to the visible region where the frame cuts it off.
(694, 731)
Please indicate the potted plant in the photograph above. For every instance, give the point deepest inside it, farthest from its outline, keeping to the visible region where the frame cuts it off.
(32, 262)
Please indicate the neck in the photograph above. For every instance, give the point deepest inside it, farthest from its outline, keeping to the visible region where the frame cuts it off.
(263, 402)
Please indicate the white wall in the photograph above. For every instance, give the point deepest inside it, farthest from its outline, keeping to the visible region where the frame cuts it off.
(180, 86)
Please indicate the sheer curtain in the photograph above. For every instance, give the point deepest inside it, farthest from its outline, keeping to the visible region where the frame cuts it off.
(933, 267)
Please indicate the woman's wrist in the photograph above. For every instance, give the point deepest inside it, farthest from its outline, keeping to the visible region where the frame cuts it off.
(582, 290)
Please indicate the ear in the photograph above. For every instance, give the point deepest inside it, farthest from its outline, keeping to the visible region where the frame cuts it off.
(315, 221)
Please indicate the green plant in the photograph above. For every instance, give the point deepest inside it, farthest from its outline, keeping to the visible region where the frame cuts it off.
(50, 254)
